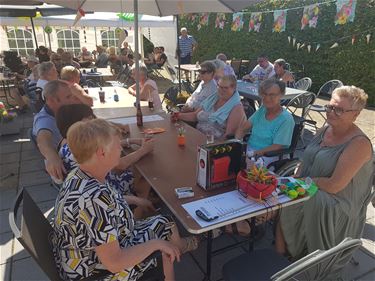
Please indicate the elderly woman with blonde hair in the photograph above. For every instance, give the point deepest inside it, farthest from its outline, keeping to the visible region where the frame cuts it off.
(339, 161)
(94, 228)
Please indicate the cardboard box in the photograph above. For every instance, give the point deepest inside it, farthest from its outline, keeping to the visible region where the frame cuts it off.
(219, 163)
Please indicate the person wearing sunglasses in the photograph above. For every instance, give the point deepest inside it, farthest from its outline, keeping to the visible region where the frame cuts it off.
(220, 113)
(339, 161)
(271, 126)
(206, 87)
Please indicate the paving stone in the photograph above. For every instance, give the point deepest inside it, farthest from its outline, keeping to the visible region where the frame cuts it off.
(34, 178)
(30, 155)
(365, 266)
(27, 269)
(4, 222)
(10, 158)
(32, 166)
(370, 212)
(6, 242)
(6, 169)
(41, 193)
(19, 251)
(10, 182)
(7, 196)
(29, 145)
(10, 148)
(5, 272)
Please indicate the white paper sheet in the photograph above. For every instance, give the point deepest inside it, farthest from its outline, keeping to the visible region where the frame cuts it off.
(133, 120)
(229, 205)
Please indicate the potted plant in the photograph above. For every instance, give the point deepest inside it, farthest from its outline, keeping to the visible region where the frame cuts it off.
(257, 182)
(7, 125)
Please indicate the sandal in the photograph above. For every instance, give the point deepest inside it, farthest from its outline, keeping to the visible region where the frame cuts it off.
(191, 244)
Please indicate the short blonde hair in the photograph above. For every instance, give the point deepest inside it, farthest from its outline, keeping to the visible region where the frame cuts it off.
(68, 73)
(111, 50)
(86, 137)
(355, 95)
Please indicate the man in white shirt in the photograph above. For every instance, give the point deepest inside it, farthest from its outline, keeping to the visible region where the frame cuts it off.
(262, 71)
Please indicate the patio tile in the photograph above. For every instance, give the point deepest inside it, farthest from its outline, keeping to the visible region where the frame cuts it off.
(27, 269)
(370, 212)
(41, 193)
(29, 145)
(8, 182)
(5, 272)
(4, 222)
(19, 252)
(10, 157)
(30, 155)
(34, 178)
(32, 166)
(10, 148)
(6, 169)
(6, 241)
(7, 196)
(365, 266)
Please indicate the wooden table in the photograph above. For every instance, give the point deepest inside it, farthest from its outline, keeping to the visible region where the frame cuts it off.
(170, 166)
(112, 109)
(250, 90)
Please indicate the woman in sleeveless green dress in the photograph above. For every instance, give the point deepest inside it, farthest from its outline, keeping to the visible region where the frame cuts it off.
(339, 160)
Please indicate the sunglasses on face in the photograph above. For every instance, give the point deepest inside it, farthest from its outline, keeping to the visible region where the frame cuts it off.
(202, 71)
(337, 110)
(270, 95)
(224, 87)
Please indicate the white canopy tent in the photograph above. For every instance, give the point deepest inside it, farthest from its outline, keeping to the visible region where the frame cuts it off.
(91, 20)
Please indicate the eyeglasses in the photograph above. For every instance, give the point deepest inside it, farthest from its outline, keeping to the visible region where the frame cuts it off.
(202, 71)
(270, 95)
(224, 87)
(337, 110)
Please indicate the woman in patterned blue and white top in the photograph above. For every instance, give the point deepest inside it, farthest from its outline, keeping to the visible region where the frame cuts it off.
(94, 228)
(121, 178)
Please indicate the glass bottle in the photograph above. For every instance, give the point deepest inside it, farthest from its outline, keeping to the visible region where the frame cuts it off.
(150, 101)
(139, 115)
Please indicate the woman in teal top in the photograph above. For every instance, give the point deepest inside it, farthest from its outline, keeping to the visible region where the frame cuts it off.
(271, 125)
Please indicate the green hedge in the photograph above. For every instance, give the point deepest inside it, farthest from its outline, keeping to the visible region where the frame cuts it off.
(352, 64)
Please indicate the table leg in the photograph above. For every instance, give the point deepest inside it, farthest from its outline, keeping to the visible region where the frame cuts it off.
(252, 234)
(208, 256)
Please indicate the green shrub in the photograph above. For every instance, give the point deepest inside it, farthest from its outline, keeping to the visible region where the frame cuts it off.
(352, 64)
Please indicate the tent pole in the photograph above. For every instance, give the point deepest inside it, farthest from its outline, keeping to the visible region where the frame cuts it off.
(96, 39)
(178, 56)
(136, 51)
(33, 27)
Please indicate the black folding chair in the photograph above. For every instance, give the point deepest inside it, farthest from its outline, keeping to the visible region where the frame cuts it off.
(35, 236)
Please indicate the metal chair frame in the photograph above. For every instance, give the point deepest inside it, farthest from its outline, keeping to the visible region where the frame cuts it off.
(303, 84)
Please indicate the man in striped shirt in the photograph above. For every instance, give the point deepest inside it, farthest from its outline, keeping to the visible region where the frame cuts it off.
(187, 46)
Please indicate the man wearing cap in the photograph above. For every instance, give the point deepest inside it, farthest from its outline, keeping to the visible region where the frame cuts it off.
(187, 46)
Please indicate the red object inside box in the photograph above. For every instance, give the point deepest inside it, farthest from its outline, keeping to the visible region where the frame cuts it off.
(221, 170)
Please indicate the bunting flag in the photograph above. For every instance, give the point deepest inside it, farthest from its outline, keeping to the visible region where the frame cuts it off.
(345, 11)
(237, 23)
(310, 16)
(203, 20)
(279, 21)
(220, 20)
(255, 22)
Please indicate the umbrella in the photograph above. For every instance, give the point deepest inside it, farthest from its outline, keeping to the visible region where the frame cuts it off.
(154, 7)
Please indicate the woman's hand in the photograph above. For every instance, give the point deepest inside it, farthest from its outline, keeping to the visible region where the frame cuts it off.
(145, 204)
(147, 145)
(169, 250)
(243, 128)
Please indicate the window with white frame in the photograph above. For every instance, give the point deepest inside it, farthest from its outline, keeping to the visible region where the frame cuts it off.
(21, 40)
(69, 40)
(109, 38)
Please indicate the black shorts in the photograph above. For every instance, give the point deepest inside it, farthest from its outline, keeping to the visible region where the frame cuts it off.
(185, 60)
